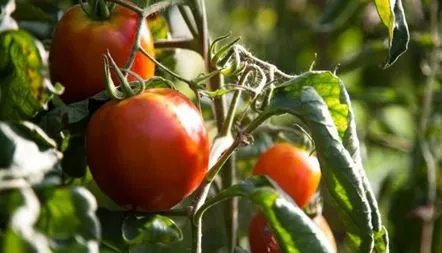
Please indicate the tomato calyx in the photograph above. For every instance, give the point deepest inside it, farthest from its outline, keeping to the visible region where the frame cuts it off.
(97, 9)
(126, 89)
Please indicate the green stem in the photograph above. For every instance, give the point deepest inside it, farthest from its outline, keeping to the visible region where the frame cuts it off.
(227, 127)
(231, 205)
(187, 19)
(277, 72)
(128, 5)
(141, 23)
(98, 10)
(177, 43)
(125, 86)
(185, 211)
(170, 72)
(217, 82)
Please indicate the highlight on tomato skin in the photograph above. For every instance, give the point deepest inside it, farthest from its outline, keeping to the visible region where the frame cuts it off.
(295, 170)
(150, 151)
(79, 43)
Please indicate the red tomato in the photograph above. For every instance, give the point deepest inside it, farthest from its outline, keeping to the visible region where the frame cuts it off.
(78, 46)
(295, 170)
(148, 152)
(262, 239)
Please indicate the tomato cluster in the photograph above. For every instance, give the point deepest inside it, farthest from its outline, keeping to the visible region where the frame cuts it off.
(298, 174)
(149, 151)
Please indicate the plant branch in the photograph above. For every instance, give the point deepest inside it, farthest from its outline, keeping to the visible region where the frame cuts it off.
(170, 72)
(128, 5)
(234, 104)
(185, 211)
(215, 83)
(187, 19)
(176, 43)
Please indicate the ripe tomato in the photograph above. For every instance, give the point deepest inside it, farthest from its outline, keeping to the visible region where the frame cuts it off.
(262, 239)
(78, 46)
(295, 171)
(148, 152)
(325, 227)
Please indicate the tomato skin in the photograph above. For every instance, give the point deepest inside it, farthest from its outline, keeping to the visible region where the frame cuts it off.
(78, 46)
(262, 239)
(150, 151)
(325, 227)
(294, 170)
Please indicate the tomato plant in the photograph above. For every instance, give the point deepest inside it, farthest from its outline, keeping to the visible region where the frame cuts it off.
(167, 138)
(153, 146)
(295, 170)
(82, 38)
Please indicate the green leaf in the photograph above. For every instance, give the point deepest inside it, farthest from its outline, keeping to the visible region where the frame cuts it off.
(24, 87)
(111, 224)
(240, 250)
(294, 230)
(392, 15)
(151, 229)
(23, 211)
(381, 240)
(27, 152)
(328, 87)
(351, 144)
(30, 12)
(73, 117)
(328, 115)
(74, 157)
(68, 219)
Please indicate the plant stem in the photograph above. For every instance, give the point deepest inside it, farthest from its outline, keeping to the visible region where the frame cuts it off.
(231, 205)
(199, 10)
(427, 100)
(170, 72)
(187, 19)
(227, 127)
(185, 211)
(176, 43)
(128, 5)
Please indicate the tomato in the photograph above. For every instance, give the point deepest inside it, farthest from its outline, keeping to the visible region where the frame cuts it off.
(78, 46)
(262, 239)
(293, 169)
(325, 227)
(148, 152)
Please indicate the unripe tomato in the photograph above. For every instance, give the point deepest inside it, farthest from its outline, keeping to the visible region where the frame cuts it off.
(293, 169)
(78, 46)
(148, 152)
(262, 239)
